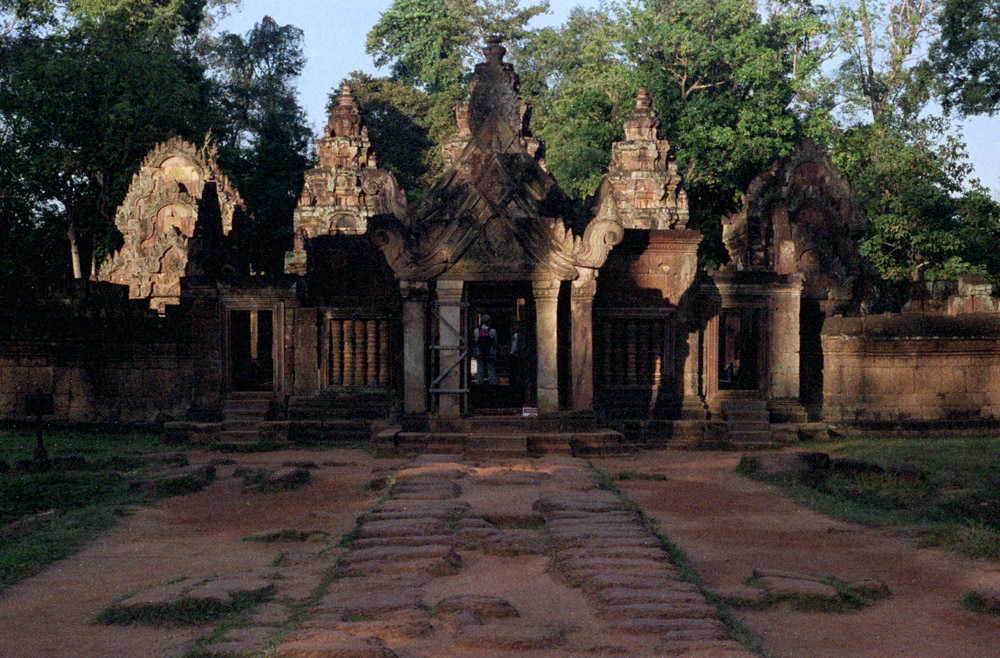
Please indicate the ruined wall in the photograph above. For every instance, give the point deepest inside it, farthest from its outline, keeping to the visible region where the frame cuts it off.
(103, 358)
(911, 368)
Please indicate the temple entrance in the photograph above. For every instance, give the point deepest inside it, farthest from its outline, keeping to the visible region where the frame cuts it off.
(501, 363)
(739, 349)
(250, 350)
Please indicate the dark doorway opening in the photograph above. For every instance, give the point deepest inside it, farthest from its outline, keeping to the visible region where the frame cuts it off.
(502, 377)
(250, 350)
(739, 349)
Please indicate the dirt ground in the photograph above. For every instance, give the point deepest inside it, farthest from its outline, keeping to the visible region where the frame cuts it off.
(727, 525)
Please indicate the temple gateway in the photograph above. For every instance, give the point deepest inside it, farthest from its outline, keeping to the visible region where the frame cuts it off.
(498, 314)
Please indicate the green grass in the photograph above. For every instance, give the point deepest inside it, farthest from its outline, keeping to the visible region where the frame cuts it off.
(956, 507)
(975, 602)
(89, 498)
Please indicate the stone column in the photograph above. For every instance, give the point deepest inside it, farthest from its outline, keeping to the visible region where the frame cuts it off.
(582, 339)
(414, 295)
(546, 341)
(449, 295)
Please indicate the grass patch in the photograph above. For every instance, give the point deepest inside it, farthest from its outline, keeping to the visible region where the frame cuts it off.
(183, 612)
(679, 559)
(974, 602)
(637, 475)
(91, 485)
(956, 506)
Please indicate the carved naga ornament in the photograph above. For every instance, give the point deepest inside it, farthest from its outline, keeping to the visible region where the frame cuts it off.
(496, 213)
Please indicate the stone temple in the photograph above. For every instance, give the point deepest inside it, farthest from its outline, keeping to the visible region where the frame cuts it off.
(622, 338)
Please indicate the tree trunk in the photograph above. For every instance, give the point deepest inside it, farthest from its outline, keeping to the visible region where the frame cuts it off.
(74, 251)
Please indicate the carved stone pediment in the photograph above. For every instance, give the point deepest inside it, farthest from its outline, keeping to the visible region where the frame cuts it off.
(496, 213)
(161, 216)
(801, 216)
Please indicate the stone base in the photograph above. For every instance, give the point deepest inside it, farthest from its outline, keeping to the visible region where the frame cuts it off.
(787, 410)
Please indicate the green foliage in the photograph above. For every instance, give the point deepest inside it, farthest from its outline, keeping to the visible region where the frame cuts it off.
(267, 144)
(89, 500)
(81, 102)
(397, 116)
(967, 56)
(955, 508)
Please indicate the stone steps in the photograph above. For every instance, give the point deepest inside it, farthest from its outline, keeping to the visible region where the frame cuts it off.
(482, 445)
(747, 421)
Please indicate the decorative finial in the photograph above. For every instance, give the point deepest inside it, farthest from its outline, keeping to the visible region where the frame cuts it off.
(643, 101)
(494, 50)
(346, 96)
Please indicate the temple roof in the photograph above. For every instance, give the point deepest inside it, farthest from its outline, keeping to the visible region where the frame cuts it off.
(496, 212)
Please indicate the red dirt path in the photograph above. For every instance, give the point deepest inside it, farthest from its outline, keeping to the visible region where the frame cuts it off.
(729, 525)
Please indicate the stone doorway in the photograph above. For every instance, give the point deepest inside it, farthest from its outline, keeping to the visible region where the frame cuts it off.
(510, 306)
(251, 358)
(740, 349)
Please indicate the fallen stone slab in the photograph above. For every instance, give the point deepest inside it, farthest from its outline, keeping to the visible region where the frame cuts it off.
(431, 567)
(636, 611)
(328, 643)
(159, 595)
(393, 553)
(405, 540)
(409, 527)
(774, 463)
(654, 581)
(479, 607)
(679, 629)
(231, 588)
(593, 501)
(368, 604)
(286, 479)
(509, 636)
(574, 566)
(514, 542)
(436, 507)
(385, 629)
(611, 551)
(567, 541)
(510, 479)
(613, 596)
(784, 587)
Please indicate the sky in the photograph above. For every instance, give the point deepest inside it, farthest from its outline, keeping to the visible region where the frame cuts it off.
(334, 35)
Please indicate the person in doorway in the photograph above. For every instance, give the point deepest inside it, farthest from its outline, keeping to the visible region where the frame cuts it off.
(516, 349)
(486, 351)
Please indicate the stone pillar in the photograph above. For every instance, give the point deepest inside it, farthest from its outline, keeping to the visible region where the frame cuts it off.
(414, 295)
(692, 406)
(582, 339)
(306, 372)
(449, 296)
(546, 329)
(785, 304)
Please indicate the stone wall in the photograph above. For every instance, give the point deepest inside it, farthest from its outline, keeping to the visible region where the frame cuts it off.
(103, 358)
(911, 368)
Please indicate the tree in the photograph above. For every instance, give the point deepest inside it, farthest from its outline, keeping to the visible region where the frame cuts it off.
(723, 79)
(267, 144)
(80, 108)
(397, 116)
(87, 87)
(967, 56)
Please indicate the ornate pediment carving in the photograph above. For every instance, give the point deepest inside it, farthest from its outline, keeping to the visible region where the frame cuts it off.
(496, 213)
(161, 215)
(801, 216)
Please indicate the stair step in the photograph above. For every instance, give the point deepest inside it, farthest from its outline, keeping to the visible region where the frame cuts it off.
(239, 436)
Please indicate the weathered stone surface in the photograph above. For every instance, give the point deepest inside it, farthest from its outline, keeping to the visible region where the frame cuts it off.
(240, 642)
(637, 611)
(510, 636)
(480, 608)
(407, 527)
(324, 643)
(159, 595)
(515, 542)
(797, 587)
(287, 478)
(701, 649)
(786, 462)
(223, 589)
(167, 223)
(396, 553)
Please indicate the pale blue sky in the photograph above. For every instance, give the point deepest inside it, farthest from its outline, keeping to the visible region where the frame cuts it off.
(335, 45)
